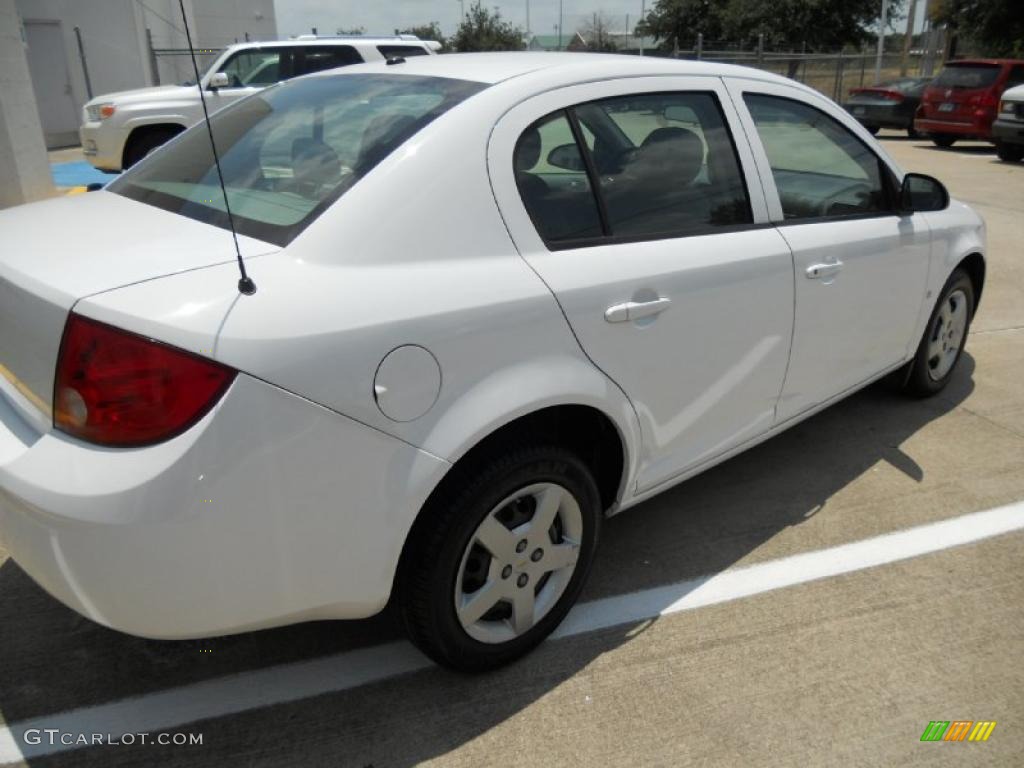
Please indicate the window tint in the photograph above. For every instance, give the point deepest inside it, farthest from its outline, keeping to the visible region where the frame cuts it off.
(552, 179)
(291, 150)
(666, 164)
(820, 168)
(387, 51)
(1016, 76)
(967, 76)
(257, 68)
(314, 59)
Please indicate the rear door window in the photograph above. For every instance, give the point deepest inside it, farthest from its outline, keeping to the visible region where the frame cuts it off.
(666, 164)
(645, 166)
(317, 58)
(387, 51)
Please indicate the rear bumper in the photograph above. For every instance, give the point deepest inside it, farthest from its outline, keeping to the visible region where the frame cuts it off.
(270, 510)
(960, 129)
(883, 116)
(1008, 131)
(103, 145)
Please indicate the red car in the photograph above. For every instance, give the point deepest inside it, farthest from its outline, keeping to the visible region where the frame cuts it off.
(961, 103)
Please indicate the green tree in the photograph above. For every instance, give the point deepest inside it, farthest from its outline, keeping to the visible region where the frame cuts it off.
(670, 21)
(431, 31)
(484, 30)
(996, 27)
(785, 24)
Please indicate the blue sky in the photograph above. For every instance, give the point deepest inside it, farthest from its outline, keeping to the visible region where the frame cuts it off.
(384, 16)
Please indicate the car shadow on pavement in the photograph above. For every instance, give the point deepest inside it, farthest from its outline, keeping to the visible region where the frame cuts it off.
(964, 149)
(53, 661)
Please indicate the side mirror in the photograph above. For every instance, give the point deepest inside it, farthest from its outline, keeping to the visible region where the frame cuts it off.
(922, 193)
(218, 80)
(567, 157)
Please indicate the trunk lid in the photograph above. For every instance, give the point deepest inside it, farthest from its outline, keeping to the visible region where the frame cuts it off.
(58, 251)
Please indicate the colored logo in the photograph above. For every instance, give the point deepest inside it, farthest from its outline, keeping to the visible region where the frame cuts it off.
(958, 730)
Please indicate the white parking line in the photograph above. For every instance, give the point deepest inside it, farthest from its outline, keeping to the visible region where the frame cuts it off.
(163, 710)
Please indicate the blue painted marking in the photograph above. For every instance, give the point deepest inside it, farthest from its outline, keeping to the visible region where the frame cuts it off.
(78, 174)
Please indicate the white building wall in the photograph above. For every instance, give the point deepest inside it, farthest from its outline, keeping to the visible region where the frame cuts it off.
(114, 36)
(23, 166)
(114, 48)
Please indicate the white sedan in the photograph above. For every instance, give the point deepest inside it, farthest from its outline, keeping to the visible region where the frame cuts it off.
(497, 297)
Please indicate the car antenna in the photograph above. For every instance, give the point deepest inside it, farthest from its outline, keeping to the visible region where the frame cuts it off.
(245, 284)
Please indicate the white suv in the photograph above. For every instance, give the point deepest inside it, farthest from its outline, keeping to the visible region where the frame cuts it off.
(118, 129)
(1008, 128)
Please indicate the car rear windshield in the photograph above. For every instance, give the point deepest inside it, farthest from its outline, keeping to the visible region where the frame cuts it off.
(967, 76)
(291, 150)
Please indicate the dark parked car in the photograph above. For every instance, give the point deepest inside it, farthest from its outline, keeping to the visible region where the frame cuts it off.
(888, 105)
(961, 102)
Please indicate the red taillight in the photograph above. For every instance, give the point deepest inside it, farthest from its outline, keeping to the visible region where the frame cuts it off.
(987, 99)
(115, 388)
(878, 93)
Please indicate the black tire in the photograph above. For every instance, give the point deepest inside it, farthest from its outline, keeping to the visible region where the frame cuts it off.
(943, 140)
(912, 133)
(921, 382)
(873, 129)
(1010, 153)
(430, 567)
(141, 144)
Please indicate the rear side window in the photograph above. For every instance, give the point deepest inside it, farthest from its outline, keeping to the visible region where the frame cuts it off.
(314, 59)
(968, 76)
(405, 51)
(820, 168)
(646, 166)
(1016, 76)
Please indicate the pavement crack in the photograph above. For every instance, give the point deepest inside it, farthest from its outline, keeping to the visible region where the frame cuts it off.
(993, 422)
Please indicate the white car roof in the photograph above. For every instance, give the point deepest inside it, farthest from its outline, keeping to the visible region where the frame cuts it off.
(561, 67)
(355, 40)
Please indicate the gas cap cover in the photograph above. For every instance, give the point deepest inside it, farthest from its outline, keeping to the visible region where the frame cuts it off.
(407, 383)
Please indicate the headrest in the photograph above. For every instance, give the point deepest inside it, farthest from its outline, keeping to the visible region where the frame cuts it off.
(528, 149)
(675, 149)
(314, 161)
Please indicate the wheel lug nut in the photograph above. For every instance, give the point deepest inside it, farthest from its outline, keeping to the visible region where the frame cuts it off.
(506, 571)
(522, 580)
(521, 546)
(537, 554)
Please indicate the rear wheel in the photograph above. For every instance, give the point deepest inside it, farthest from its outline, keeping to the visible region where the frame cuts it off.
(943, 140)
(912, 133)
(500, 558)
(944, 337)
(1011, 153)
(872, 129)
